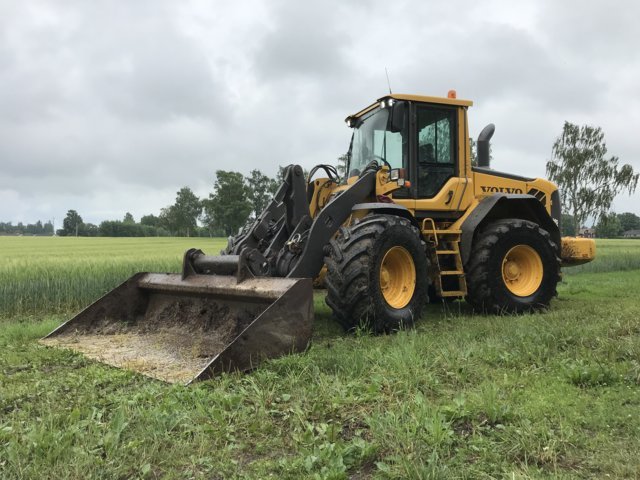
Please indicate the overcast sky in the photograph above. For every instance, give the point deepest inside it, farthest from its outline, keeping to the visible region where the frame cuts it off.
(109, 107)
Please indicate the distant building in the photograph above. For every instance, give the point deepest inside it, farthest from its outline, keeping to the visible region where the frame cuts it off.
(631, 234)
(587, 232)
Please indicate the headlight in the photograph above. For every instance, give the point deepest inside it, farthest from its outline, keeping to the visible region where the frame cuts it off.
(397, 174)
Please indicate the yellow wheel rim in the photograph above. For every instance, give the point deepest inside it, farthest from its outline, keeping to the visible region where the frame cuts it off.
(522, 270)
(397, 277)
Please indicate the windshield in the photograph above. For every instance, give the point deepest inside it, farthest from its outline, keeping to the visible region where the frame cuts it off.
(373, 140)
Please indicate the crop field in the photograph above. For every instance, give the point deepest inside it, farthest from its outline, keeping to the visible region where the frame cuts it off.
(63, 274)
(462, 395)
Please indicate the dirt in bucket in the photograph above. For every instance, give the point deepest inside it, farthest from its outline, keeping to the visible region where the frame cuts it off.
(177, 337)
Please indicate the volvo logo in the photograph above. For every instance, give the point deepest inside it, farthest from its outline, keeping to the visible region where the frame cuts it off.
(500, 189)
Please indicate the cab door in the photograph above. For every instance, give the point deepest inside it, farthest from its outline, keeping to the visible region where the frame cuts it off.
(436, 158)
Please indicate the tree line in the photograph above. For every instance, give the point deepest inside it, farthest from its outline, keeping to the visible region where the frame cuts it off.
(38, 228)
(235, 199)
(615, 225)
(611, 225)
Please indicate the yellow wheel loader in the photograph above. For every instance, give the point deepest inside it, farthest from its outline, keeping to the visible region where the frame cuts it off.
(411, 220)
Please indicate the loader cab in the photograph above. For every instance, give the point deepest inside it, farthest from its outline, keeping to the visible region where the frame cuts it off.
(379, 135)
(426, 136)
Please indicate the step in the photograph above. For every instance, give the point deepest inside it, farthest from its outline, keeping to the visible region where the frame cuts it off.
(452, 272)
(453, 293)
(447, 252)
(445, 234)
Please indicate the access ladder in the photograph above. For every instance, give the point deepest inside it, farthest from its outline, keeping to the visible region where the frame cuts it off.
(445, 250)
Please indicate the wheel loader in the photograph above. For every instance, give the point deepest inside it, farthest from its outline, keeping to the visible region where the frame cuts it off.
(411, 219)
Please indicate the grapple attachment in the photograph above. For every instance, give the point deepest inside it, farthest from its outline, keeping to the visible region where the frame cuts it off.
(182, 329)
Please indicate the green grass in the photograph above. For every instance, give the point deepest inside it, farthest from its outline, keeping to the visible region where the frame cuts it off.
(553, 395)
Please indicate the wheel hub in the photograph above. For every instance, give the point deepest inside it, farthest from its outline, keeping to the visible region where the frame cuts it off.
(522, 270)
(512, 270)
(397, 277)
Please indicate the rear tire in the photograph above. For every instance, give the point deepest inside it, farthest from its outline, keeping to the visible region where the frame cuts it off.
(377, 274)
(513, 268)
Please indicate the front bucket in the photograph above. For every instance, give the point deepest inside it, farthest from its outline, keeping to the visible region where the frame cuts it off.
(182, 330)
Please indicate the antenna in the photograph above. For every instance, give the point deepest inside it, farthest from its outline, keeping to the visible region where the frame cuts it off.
(388, 82)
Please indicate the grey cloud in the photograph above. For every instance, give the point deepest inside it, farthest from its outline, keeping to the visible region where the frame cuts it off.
(157, 80)
(493, 61)
(137, 64)
(598, 33)
(113, 106)
(303, 41)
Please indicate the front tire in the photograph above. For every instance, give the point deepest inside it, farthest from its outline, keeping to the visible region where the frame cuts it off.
(377, 274)
(514, 268)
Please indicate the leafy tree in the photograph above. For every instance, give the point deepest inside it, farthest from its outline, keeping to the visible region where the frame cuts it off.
(128, 219)
(181, 218)
(260, 189)
(89, 230)
(71, 224)
(629, 221)
(188, 208)
(608, 226)
(150, 220)
(568, 227)
(211, 226)
(588, 180)
(169, 219)
(228, 207)
(48, 228)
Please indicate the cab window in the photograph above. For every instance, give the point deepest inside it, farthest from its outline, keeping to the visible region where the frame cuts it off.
(436, 153)
(389, 145)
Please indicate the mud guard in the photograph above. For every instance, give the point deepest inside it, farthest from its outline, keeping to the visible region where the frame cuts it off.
(502, 205)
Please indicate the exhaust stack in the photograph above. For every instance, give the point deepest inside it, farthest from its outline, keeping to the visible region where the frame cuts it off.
(483, 145)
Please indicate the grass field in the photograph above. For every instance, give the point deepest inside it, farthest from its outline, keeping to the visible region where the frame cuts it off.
(553, 395)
